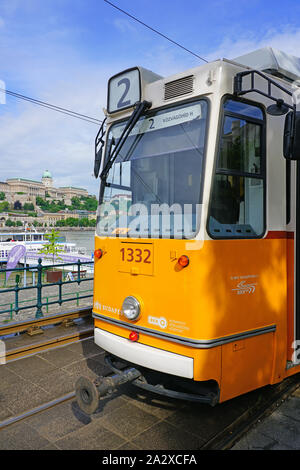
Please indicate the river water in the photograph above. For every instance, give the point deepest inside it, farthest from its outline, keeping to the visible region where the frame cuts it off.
(84, 239)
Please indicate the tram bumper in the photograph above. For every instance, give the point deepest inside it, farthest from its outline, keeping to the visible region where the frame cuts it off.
(149, 368)
(145, 356)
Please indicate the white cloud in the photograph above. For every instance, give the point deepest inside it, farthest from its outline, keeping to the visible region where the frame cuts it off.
(124, 25)
(287, 39)
(34, 139)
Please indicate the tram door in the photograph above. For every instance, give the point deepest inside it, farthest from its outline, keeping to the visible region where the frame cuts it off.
(296, 197)
(293, 258)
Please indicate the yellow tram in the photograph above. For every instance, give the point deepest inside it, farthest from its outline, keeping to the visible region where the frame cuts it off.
(197, 266)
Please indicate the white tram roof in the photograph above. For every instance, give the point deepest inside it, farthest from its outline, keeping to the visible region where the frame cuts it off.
(273, 62)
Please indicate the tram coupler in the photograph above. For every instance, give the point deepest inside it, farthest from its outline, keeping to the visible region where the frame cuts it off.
(88, 392)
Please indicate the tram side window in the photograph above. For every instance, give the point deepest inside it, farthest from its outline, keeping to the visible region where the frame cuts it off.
(237, 200)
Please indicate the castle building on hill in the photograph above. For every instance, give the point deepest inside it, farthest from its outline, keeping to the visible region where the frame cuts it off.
(26, 190)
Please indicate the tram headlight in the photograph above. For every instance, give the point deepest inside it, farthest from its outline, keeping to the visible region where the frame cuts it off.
(131, 308)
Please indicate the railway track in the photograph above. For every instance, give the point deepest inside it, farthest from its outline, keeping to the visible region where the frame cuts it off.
(29, 337)
(77, 325)
(268, 400)
(264, 406)
(36, 410)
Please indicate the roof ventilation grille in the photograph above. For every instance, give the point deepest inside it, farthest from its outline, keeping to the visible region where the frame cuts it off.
(179, 87)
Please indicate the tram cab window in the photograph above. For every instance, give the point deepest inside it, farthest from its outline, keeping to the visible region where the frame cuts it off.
(237, 199)
(159, 171)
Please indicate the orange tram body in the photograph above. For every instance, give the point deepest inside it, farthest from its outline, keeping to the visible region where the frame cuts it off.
(202, 304)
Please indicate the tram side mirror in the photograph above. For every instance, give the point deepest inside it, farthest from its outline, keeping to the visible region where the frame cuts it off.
(287, 135)
(291, 137)
(98, 159)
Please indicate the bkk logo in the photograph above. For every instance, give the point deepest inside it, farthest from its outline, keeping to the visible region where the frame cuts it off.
(158, 321)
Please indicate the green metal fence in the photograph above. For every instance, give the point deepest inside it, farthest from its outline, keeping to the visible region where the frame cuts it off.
(41, 301)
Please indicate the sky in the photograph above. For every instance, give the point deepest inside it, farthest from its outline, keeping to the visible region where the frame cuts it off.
(64, 51)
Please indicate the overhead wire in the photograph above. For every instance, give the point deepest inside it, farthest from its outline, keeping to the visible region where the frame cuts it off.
(84, 117)
(155, 31)
(53, 107)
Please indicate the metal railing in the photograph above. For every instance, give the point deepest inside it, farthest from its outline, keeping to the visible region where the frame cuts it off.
(72, 277)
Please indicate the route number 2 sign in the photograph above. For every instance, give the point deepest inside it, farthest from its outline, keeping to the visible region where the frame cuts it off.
(124, 90)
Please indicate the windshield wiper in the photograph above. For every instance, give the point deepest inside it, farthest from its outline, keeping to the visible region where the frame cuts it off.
(140, 107)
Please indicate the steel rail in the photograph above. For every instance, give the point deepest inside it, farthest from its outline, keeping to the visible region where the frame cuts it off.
(19, 351)
(56, 342)
(36, 410)
(223, 440)
(231, 434)
(51, 319)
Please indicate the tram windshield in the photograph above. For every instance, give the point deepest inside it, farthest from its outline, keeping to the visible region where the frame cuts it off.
(154, 186)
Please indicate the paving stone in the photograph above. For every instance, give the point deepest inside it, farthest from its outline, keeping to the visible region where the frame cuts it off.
(99, 358)
(129, 446)
(5, 412)
(159, 406)
(59, 357)
(8, 378)
(23, 398)
(50, 447)
(107, 405)
(280, 446)
(128, 420)
(296, 393)
(204, 420)
(92, 437)
(254, 440)
(88, 368)
(151, 421)
(57, 383)
(21, 436)
(87, 348)
(163, 436)
(30, 367)
(58, 421)
(282, 429)
(291, 408)
(77, 347)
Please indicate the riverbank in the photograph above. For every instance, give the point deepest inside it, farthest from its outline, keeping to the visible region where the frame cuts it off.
(81, 293)
(43, 229)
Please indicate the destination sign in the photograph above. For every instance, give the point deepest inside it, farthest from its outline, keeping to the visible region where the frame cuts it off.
(162, 120)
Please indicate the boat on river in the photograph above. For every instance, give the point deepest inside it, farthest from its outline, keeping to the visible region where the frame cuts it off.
(34, 241)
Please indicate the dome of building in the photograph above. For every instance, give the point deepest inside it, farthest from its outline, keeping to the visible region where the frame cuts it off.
(47, 174)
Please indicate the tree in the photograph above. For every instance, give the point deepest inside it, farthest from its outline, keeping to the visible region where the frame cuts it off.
(2, 196)
(4, 206)
(92, 223)
(89, 203)
(17, 206)
(10, 223)
(84, 222)
(76, 203)
(52, 247)
(71, 222)
(60, 223)
(28, 206)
